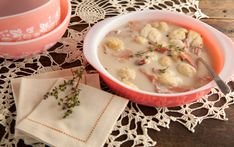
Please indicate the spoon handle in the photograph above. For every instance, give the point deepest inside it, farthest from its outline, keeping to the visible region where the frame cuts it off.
(220, 83)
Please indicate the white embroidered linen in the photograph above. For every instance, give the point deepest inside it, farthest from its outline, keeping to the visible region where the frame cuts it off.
(89, 125)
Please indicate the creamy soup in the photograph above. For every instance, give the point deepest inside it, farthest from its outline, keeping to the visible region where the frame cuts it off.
(155, 57)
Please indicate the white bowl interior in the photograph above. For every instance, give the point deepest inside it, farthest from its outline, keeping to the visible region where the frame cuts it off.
(98, 32)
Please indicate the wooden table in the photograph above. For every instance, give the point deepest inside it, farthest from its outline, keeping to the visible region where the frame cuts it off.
(211, 133)
(221, 13)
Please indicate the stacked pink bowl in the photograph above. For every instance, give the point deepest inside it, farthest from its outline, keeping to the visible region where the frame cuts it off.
(31, 26)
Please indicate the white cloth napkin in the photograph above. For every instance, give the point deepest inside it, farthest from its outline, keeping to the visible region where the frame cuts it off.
(92, 79)
(25, 104)
(28, 100)
(90, 124)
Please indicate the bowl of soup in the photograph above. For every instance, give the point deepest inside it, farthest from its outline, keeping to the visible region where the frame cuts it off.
(150, 57)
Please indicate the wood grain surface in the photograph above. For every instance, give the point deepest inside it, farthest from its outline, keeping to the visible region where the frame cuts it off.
(221, 15)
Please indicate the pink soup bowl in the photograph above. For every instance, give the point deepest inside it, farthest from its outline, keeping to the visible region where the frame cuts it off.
(27, 19)
(29, 47)
(220, 49)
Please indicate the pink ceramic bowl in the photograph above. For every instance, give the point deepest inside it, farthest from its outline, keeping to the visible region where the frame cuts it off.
(36, 45)
(221, 52)
(27, 19)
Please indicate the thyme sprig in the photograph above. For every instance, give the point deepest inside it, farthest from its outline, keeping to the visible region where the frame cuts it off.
(72, 99)
(153, 48)
(141, 53)
(174, 51)
(163, 70)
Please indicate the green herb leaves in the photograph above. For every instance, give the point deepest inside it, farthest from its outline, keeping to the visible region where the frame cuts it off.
(163, 70)
(70, 100)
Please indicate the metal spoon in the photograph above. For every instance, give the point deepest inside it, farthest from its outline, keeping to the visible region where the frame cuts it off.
(220, 83)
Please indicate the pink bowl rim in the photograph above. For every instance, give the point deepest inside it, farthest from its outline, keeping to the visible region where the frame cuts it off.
(29, 11)
(87, 47)
(67, 17)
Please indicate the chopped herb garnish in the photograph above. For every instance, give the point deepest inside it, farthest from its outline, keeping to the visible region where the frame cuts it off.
(147, 57)
(141, 53)
(159, 45)
(163, 70)
(71, 100)
(174, 51)
(179, 49)
(170, 46)
(151, 49)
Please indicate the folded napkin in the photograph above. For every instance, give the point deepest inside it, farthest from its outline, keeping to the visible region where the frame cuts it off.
(24, 101)
(90, 79)
(89, 125)
(92, 123)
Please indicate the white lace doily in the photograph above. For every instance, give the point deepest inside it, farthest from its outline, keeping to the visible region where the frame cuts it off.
(68, 53)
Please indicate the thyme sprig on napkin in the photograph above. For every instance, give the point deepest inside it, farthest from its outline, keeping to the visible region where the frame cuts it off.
(70, 100)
